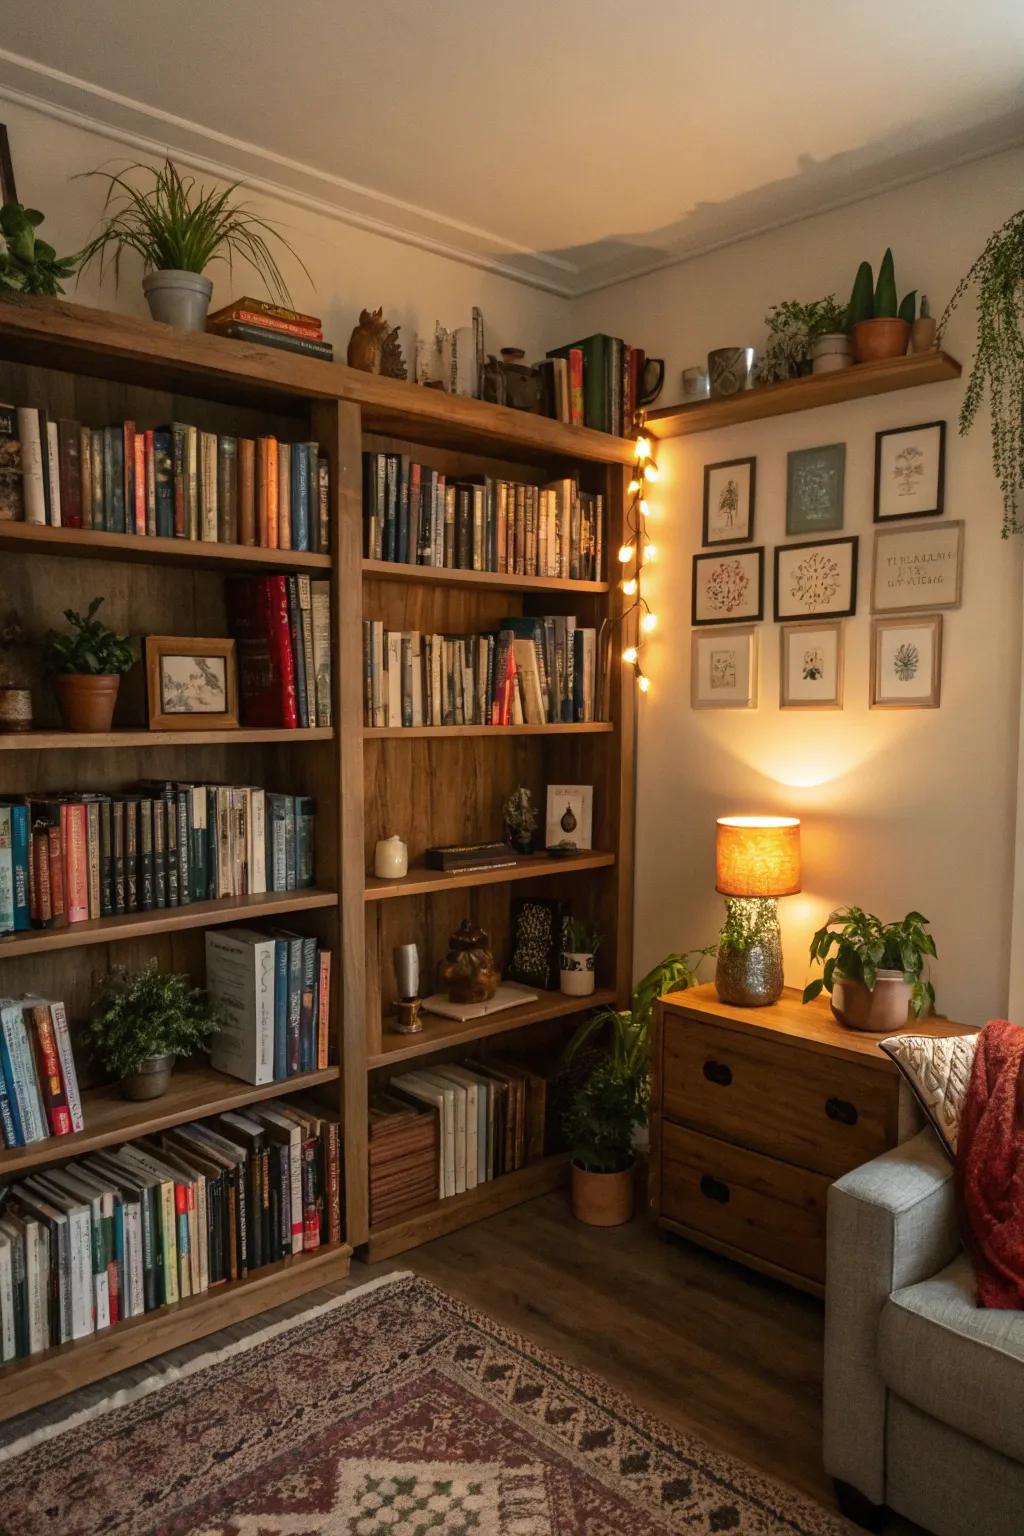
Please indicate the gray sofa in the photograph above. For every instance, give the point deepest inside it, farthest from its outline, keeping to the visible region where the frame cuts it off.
(924, 1391)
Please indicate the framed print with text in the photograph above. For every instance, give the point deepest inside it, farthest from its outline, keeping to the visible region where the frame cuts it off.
(727, 589)
(729, 502)
(723, 668)
(816, 581)
(919, 566)
(811, 665)
(910, 471)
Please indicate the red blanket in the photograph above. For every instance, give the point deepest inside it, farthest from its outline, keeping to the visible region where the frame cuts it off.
(990, 1166)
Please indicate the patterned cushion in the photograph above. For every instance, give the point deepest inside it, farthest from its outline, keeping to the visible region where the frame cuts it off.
(938, 1072)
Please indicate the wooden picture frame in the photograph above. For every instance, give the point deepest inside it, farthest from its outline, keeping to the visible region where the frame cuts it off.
(171, 688)
(815, 489)
(744, 489)
(803, 691)
(820, 576)
(933, 484)
(733, 598)
(905, 555)
(716, 680)
(898, 678)
(8, 191)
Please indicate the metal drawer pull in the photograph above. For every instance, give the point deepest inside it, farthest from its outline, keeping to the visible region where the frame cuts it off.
(718, 1072)
(841, 1110)
(714, 1189)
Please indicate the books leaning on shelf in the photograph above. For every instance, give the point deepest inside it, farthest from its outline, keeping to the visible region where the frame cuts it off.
(530, 671)
(282, 630)
(86, 1245)
(170, 482)
(597, 383)
(415, 516)
(271, 325)
(274, 987)
(39, 1094)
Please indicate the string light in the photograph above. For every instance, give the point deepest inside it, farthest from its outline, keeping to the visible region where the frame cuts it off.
(633, 487)
(630, 655)
(637, 616)
(630, 587)
(650, 552)
(648, 622)
(651, 471)
(625, 553)
(643, 682)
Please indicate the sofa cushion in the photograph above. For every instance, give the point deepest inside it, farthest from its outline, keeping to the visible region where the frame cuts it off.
(960, 1363)
(938, 1072)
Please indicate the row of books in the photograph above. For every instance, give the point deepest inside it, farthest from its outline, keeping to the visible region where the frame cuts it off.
(271, 325)
(530, 671)
(73, 857)
(282, 630)
(39, 1094)
(172, 482)
(274, 988)
(415, 516)
(88, 1245)
(597, 383)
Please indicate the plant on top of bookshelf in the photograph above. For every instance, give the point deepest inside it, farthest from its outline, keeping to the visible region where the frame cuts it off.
(27, 264)
(140, 1022)
(793, 328)
(520, 816)
(879, 321)
(86, 665)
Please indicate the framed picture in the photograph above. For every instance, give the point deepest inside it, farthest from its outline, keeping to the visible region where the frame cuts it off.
(910, 471)
(191, 684)
(814, 489)
(727, 589)
(568, 827)
(723, 668)
(8, 192)
(729, 501)
(906, 662)
(816, 581)
(917, 567)
(811, 665)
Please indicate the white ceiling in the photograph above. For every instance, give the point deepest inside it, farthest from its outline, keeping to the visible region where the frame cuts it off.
(570, 143)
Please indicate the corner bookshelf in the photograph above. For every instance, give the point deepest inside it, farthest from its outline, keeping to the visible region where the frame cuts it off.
(431, 785)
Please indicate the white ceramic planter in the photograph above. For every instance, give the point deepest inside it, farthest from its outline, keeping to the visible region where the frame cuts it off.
(831, 353)
(576, 976)
(178, 298)
(883, 1011)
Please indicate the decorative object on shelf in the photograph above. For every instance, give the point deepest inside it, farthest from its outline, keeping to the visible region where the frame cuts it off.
(650, 382)
(728, 589)
(879, 323)
(513, 382)
(917, 567)
(366, 344)
(730, 371)
(876, 976)
(906, 662)
(408, 1004)
(179, 229)
(637, 618)
(757, 860)
(568, 826)
(831, 353)
(696, 385)
(816, 580)
(793, 331)
(723, 668)
(467, 972)
(8, 191)
(191, 683)
(814, 488)
(811, 665)
(87, 666)
(520, 816)
(729, 488)
(28, 264)
(453, 857)
(15, 697)
(580, 943)
(536, 942)
(506, 995)
(271, 325)
(910, 471)
(922, 330)
(390, 858)
(141, 1022)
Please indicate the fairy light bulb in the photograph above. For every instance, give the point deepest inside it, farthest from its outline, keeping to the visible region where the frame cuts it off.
(643, 682)
(650, 551)
(625, 553)
(633, 486)
(629, 587)
(629, 655)
(649, 622)
(643, 448)
(651, 471)
(644, 509)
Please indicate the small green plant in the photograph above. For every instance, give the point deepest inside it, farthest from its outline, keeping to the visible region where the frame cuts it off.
(150, 1013)
(90, 650)
(27, 264)
(877, 301)
(865, 945)
(793, 328)
(579, 938)
(519, 812)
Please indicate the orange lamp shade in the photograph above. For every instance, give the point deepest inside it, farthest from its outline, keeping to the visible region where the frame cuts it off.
(757, 856)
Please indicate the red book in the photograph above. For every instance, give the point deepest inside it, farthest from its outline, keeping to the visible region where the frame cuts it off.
(268, 323)
(246, 491)
(139, 510)
(576, 386)
(55, 860)
(74, 833)
(332, 1158)
(69, 440)
(258, 618)
(323, 1012)
(51, 1085)
(310, 1204)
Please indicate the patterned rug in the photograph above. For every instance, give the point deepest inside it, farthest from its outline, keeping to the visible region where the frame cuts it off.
(393, 1411)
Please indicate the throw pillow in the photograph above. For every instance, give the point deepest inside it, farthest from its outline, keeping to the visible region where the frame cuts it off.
(938, 1072)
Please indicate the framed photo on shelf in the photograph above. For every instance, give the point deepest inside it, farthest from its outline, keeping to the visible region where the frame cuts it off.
(568, 826)
(910, 471)
(906, 662)
(917, 567)
(728, 589)
(816, 581)
(811, 665)
(729, 502)
(814, 488)
(723, 668)
(191, 684)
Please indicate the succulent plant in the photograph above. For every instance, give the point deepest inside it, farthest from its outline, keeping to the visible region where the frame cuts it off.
(877, 301)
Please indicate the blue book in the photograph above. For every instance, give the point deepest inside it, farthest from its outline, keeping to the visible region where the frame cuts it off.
(307, 1013)
(113, 456)
(280, 1010)
(392, 463)
(19, 846)
(301, 491)
(163, 462)
(15, 1132)
(298, 653)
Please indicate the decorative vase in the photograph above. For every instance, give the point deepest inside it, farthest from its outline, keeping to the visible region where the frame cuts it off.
(576, 976)
(603, 1199)
(875, 340)
(695, 384)
(730, 370)
(150, 1080)
(468, 972)
(178, 298)
(86, 702)
(390, 858)
(922, 333)
(831, 353)
(751, 977)
(884, 1010)
(15, 709)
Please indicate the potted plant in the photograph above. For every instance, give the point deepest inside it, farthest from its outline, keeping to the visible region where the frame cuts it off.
(580, 943)
(879, 324)
(141, 1022)
(521, 817)
(795, 331)
(29, 265)
(87, 666)
(179, 229)
(876, 976)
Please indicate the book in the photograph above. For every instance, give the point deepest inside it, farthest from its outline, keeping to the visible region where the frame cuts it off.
(258, 618)
(12, 504)
(265, 310)
(240, 976)
(33, 471)
(278, 339)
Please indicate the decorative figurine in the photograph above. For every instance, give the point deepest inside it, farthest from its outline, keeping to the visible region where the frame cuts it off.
(468, 972)
(520, 816)
(392, 363)
(367, 341)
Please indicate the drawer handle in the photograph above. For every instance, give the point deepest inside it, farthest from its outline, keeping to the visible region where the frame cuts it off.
(718, 1072)
(714, 1189)
(841, 1110)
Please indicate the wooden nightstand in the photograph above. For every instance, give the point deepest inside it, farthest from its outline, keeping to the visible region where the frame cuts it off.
(754, 1112)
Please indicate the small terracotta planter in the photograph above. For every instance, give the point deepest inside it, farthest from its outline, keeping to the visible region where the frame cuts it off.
(883, 1011)
(86, 702)
(874, 340)
(603, 1199)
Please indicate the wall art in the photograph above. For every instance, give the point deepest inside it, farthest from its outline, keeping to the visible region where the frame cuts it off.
(729, 502)
(723, 668)
(906, 662)
(910, 471)
(814, 489)
(816, 580)
(728, 589)
(811, 665)
(917, 567)
(568, 826)
(191, 684)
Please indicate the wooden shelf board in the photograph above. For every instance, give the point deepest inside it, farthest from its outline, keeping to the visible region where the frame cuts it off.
(94, 544)
(431, 575)
(24, 1384)
(439, 1033)
(421, 881)
(137, 925)
(104, 741)
(804, 394)
(443, 1216)
(110, 1118)
(419, 732)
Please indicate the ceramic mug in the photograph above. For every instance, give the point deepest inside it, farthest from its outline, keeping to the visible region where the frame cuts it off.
(695, 384)
(730, 370)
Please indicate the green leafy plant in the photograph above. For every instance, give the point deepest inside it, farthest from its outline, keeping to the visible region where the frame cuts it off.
(793, 328)
(27, 264)
(579, 938)
(90, 650)
(865, 945)
(877, 301)
(150, 1013)
(177, 226)
(519, 812)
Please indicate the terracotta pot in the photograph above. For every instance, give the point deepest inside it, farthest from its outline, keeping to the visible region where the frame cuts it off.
(874, 340)
(86, 703)
(603, 1199)
(883, 1011)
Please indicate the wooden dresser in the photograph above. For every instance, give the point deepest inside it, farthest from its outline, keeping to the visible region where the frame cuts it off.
(754, 1112)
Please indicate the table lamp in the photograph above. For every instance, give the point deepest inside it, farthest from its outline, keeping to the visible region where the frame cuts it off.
(757, 860)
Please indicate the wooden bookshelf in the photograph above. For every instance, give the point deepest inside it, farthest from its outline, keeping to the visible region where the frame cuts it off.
(423, 732)
(393, 570)
(93, 544)
(440, 1034)
(421, 881)
(106, 741)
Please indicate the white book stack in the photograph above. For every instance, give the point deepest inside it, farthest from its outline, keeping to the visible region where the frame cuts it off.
(240, 977)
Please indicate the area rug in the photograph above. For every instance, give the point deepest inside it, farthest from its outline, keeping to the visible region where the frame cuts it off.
(394, 1410)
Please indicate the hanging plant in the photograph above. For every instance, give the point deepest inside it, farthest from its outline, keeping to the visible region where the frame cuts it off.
(998, 275)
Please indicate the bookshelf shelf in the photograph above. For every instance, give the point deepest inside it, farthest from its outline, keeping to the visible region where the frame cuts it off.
(500, 581)
(104, 741)
(439, 1033)
(92, 544)
(421, 881)
(419, 732)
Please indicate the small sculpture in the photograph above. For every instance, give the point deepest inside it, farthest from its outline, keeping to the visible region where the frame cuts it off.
(468, 972)
(366, 343)
(392, 363)
(520, 817)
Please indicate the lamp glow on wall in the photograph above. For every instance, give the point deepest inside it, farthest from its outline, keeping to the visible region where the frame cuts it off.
(757, 860)
(637, 619)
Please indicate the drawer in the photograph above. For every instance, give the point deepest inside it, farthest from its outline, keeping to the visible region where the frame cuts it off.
(815, 1110)
(753, 1204)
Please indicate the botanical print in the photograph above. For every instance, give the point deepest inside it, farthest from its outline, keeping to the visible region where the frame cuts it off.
(906, 662)
(813, 669)
(811, 665)
(816, 580)
(723, 669)
(917, 567)
(193, 685)
(729, 502)
(814, 492)
(727, 587)
(909, 471)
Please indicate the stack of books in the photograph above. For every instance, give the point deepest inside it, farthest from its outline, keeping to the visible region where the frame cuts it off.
(120, 1233)
(39, 1094)
(271, 325)
(596, 383)
(282, 629)
(274, 987)
(404, 1156)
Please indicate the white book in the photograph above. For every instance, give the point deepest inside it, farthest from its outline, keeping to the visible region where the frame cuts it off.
(75, 1184)
(304, 592)
(6, 1299)
(208, 482)
(53, 472)
(32, 470)
(320, 614)
(443, 1099)
(133, 1295)
(459, 1101)
(533, 694)
(393, 639)
(380, 707)
(146, 1169)
(56, 1224)
(474, 1092)
(66, 1056)
(258, 841)
(22, 1063)
(78, 1211)
(240, 966)
(30, 1236)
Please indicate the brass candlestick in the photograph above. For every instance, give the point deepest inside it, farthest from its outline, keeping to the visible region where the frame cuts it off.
(407, 978)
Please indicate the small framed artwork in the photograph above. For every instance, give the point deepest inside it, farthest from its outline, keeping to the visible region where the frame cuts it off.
(910, 471)
(568, 827)
(814, 489)
(811, 665)
(729, 501)
(728, 589)
(906, 662)
(723, 668)
(816, 581)
(191, 684)
(917, 567)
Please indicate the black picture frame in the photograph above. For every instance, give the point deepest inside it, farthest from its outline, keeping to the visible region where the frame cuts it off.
(735, 554)
(742, 538)
(8, 191)
(940, 485)
(799, 614)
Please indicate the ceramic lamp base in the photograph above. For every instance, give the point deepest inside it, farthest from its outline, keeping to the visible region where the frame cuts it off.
(749, 974)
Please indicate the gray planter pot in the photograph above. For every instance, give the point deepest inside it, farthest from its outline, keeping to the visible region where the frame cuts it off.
(150, 1079)
(178, 298)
